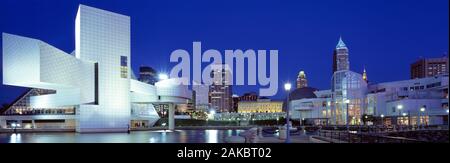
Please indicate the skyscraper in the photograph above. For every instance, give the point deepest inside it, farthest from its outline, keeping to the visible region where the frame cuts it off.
(365, 75)
(301, 80)
(220, 91)
(340, 57)
(147, 75)
(200, 96)
(429, 67)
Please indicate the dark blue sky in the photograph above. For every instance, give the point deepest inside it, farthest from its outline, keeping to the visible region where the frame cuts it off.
(385, 36)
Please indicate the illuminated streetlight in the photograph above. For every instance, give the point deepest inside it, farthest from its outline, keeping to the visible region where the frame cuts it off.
(212, 112)
(448, 117)
(399, 107)
(422, 109)
(347, 101)
(14, 125)
(326, 111)
(163, 76)
(422, 115)
(287, 88)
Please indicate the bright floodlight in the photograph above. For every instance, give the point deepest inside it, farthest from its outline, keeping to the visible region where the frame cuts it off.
(287, 86)
(163, 76)
(382, 115)
(422, 109)
(212, 112)
(399, 106)
(447, 111)
(404, 114)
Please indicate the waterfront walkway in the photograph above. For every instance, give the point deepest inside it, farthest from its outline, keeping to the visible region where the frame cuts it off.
(276, 139)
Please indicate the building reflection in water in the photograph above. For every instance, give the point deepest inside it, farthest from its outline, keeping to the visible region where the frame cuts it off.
(15, 138)
(183, 137)
(211, 136)
(156, 136)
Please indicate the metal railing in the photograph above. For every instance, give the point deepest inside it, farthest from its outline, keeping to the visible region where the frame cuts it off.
(355, 137)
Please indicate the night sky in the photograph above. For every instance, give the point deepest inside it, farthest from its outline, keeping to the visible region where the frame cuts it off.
(384, 36)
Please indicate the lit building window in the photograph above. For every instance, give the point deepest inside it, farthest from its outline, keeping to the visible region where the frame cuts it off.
(123, 67)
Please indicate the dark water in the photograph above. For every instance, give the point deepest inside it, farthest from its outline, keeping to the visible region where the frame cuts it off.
(158, 136)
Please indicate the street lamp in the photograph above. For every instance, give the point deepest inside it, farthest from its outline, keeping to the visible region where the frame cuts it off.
(287, 87)
(448, 120)
(163, 76)
(399, 107)
(422, 109)
(346, 119)
(382, 122)
(326, 113)
(421, 114)
(14, 125)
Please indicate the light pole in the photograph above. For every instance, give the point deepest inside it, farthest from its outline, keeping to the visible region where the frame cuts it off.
(382, 121)
(346, 114)
(287, 87)
(326, 113)
(14, 127)
(404, 115)
(422, 111)
(399, 107)
(448, 120)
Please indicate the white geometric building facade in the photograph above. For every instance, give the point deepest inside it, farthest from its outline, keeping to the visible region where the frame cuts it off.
(95, 78)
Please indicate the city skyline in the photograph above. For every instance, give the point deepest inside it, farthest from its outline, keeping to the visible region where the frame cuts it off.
(116, 82)
(361, 44)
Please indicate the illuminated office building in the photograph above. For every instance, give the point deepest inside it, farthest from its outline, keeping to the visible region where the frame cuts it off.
(419, 101)
(429, 67)
(220, 91)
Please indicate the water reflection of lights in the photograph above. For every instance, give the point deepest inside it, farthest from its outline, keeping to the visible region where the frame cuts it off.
(163, 131)
(211, 136)
(152, 140)
(15, 138)
(163, 136)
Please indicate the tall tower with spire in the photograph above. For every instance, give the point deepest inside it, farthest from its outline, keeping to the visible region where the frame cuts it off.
(365, 75)
(301, 80)
(340, 57)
